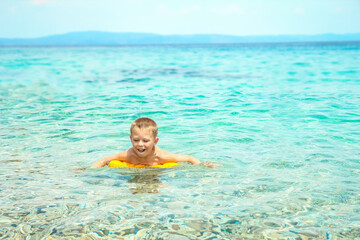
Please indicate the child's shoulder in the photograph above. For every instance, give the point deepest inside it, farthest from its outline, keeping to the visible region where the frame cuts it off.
(162, 153)
(123, 155)
(165, 156)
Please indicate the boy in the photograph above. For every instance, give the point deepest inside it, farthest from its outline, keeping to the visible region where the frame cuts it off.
(143, 136)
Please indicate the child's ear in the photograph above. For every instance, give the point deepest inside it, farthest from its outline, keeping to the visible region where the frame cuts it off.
(156, 140)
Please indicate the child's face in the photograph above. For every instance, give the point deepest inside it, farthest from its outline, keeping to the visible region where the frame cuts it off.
(143, 141)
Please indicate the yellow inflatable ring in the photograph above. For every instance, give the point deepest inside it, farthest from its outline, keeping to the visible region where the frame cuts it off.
(116, 163)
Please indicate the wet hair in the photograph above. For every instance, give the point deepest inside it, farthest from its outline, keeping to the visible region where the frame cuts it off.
(143, 123)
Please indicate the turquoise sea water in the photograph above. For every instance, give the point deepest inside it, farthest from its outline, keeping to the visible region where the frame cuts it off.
(283, 120)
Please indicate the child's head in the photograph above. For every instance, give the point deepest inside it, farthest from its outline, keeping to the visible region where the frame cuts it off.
(145, 123)
(144, 136)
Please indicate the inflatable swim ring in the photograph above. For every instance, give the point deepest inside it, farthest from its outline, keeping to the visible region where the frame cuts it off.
(116, 163)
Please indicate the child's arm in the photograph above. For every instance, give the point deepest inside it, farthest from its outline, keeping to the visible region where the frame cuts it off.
(193, 160)
(106, 160)
(186, 158)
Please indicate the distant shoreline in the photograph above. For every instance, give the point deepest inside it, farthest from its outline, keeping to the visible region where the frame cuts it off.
(255, 44)
(96, 38)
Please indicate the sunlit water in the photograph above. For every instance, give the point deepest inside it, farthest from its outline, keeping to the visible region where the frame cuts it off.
(283, 120)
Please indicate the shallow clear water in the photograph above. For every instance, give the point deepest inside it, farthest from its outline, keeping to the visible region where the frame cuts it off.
(283, 120)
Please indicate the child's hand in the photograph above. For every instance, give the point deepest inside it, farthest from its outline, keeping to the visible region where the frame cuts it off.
(77, 168)
(210, 164)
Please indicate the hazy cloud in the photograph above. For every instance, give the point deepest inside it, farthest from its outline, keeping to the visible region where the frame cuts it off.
(13, 9)
(340, 10)
(40, 2)
(190, 10)
(299, 11)
(164, 10)
(230, 10)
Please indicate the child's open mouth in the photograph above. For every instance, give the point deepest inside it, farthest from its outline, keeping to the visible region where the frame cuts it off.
(141, 150)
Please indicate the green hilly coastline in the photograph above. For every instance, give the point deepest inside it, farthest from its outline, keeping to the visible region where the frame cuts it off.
(98, 38)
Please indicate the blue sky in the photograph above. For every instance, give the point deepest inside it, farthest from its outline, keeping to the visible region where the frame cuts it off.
(36, 18)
